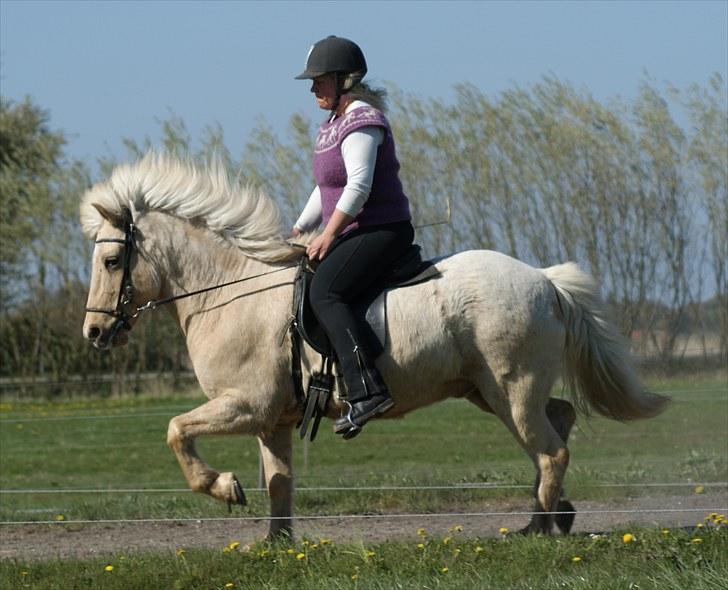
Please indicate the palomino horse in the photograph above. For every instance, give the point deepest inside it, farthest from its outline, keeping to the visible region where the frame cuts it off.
(490, 329)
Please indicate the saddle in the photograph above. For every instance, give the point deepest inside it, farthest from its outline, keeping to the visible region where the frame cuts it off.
(371, 310)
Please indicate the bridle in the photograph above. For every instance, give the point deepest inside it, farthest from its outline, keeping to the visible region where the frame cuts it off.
(126, 291)
(125, 309)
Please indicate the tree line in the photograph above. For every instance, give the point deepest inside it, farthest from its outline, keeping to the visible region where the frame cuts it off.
(634, 190)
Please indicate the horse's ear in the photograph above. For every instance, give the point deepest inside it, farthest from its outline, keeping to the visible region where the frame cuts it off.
(113, 218)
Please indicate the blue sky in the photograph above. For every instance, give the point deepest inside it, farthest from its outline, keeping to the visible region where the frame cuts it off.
(107, 70)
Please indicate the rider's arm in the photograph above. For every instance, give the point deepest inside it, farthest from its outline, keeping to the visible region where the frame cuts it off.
(359, 150)
(310, 217)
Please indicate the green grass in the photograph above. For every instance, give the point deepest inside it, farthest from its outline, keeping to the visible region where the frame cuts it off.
(120, 444)
(675, 560)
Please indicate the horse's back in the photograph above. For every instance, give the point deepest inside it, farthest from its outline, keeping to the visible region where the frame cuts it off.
(485, 305)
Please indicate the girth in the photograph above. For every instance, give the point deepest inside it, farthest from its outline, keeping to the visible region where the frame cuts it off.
(371, 310)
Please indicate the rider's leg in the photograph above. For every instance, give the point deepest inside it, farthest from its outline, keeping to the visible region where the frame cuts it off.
(355, 262)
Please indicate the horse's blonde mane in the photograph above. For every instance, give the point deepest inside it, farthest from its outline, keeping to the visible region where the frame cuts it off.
(240, 214)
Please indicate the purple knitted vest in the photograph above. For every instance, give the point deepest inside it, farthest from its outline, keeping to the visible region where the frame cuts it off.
(387, 202)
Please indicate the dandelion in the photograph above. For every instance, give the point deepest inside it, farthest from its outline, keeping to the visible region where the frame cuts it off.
(354, 577)
(665, 532)
(23, 573)
(421, 532)
(446, 540)
(699, 525)
(576, 559)
(444, 570)
(503, 530)
(300, 556)
(628, 538)
(229, 585)
(712, 516)
(458, 528)
(234, 545)
(180, 552)
(109, 568)
(290, 551)
(421, 546)
(369, 554)
(699, 489)
(478, 549)
(696, 541)
(456, 552)
(325, 542)
(59, 518)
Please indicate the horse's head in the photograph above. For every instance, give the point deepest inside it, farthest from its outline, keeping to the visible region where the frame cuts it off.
(121, 280)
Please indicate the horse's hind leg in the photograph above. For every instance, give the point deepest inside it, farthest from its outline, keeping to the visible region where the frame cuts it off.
(562, 416)
(520, 402)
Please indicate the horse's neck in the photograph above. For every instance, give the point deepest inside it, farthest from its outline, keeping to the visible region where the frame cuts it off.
(192, 258)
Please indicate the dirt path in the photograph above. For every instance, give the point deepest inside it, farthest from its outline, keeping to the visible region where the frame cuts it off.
(31, 542)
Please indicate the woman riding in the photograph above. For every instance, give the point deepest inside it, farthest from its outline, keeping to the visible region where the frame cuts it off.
(366, 215)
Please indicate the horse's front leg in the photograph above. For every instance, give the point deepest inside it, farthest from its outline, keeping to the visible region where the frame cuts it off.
(227, 414)
(277, 452)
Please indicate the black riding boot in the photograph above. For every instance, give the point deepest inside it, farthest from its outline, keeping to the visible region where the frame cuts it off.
(367, 394)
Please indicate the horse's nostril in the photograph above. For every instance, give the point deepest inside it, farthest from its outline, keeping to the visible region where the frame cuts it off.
(93, 333)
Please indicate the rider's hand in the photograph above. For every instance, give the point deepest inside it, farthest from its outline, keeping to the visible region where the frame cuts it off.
(320, 245)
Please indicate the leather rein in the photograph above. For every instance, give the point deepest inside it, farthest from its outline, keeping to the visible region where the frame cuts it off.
(125, 300)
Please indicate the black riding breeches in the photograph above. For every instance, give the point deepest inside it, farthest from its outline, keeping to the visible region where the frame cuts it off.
(355, 262)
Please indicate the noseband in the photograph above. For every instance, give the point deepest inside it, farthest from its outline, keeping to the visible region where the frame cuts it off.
(126, 292)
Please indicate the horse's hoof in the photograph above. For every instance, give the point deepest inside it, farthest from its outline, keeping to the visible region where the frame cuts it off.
(565, 520)
(239, 496)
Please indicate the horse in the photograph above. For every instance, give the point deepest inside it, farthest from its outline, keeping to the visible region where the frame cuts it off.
(490, 329)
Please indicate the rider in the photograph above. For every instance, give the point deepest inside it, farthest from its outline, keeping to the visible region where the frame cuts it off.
(366, 216)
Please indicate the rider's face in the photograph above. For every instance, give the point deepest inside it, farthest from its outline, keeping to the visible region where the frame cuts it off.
(324, 88)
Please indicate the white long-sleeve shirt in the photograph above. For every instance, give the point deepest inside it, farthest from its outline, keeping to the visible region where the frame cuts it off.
(359, 151)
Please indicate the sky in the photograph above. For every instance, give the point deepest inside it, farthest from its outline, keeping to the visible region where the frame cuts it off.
(109, 70)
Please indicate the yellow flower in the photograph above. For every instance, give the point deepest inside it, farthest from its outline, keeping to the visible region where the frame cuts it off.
(325, 542)
(234, 545)
(444, 570)
(699, 525)
(370, 554)
(421, 532)
(59, 517)
(665, 532)
(576, 559)
(628, 538)
(109, 568)
(290, 551)
(229, 585)
(457, 552)
(696, 541)
(458, 528)
(300, 556)
(479, 549)
(699, 489)
(420, 545)
(354, 577)
(503, 530)
(23, 573)
(446, 540)
(180, 552)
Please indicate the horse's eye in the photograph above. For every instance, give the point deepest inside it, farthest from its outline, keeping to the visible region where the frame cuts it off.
(111, 262)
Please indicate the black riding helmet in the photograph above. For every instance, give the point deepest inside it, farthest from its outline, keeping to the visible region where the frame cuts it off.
(336, 55)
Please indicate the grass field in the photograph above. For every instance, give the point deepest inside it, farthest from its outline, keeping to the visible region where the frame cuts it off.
(119, 444)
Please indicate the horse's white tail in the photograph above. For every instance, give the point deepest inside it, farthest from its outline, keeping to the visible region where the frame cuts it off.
(598, 364)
